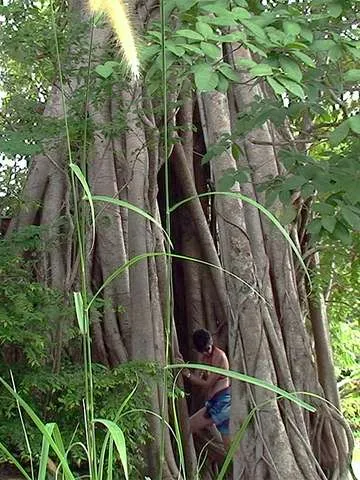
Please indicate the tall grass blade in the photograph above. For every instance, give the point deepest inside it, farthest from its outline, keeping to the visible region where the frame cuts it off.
(13, 460)
(107, 436)
(42, 428)
(260, 207)
(82, 180)
(110, 460)
(177, 428)
(133, 208)
(44, 455)
(28, 446)
(79, 309)
(119, 440)
(235, 443)
(247, 378)
(54, 432)
(143, 256)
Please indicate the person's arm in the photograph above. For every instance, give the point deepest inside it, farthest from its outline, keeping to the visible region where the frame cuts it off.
(211, 379)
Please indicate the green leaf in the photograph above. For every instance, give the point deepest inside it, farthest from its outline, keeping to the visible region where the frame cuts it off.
(342, 234)
(307, 34)
(354, 123)
(131, 207)
(323, 208)
(223, 84)
(206, 79)
(352, 218)
(228, 72)
(328, 222)
(291, 68)
(246, 378)
(240, 13)
(226, 183)
(261, 70)
(288, 214)
(304, 58)
(292, 87)
(14, 461)
(334, 9)
(335, 53)
(323, 45)
(204, 29)
(194, 49)
(185, 5)
(307, 190)
(254, 49)
(104, 70)
(294, 182)
(276, 86)
(339, 134)
(314, 226)
(211, 50)
(191, 34)
(79, 309)
(258, 32)
(175, 49)
(216, 9)
(56, 445)
(236, 151)
(223, 21)
(262, 209)
(233, 37)
(119, 439)
(291, 28)
(80, 176)
(352, 75)
(245, 62)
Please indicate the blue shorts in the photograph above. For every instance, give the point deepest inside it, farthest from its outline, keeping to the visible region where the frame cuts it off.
(218, 409)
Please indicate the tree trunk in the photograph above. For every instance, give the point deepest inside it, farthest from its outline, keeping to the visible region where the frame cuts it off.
(259, 319)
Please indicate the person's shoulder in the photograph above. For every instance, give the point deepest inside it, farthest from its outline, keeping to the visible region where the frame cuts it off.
(220, 354)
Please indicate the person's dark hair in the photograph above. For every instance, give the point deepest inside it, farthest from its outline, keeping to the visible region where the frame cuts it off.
(201, 339)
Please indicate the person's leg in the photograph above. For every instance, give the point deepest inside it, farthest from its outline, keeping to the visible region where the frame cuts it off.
(199, 421)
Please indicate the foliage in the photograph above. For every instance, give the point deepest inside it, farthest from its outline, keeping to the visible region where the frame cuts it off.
(28, 309)
(58, 397)
(339, 277)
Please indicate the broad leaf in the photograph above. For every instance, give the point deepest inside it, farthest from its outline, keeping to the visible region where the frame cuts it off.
(204, 29)
(352, 75)
(190, 34)
(352, 218)
(211, 50)
(228, 72)
(334, 9)
(276, 86)
(328, 222)
(292, 87)
(304, 58)
(291, 28)
(261, 70)
(322, 45)
(354, 123)
(206, 79)
(291, 68)
(339, 134)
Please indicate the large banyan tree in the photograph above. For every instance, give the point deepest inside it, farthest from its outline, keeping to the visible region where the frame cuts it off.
(247, 287)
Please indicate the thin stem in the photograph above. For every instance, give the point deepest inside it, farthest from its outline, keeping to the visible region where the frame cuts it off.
(89, 401)
(168, 309)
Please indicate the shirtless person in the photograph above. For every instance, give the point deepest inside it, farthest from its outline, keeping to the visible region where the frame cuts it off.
(217, 407)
